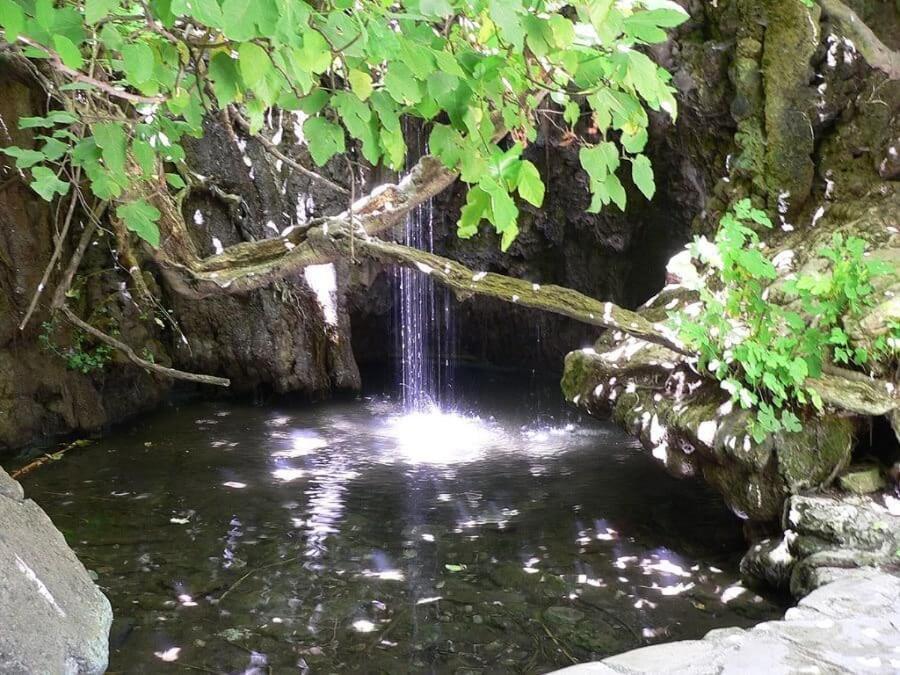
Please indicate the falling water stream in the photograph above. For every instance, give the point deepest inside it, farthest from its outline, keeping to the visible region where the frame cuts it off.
(423, 318)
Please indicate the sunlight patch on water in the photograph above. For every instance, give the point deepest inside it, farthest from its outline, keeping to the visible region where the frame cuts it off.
(442, 438)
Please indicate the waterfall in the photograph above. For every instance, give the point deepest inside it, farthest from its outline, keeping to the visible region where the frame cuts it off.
(422, 316)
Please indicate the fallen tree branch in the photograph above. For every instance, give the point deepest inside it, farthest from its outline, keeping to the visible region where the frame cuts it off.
(873, 50)
(49, 457)
(137, 360)
(549, 298)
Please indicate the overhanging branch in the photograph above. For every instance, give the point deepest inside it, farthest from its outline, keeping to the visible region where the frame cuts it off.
(548, 298)
(873, 50)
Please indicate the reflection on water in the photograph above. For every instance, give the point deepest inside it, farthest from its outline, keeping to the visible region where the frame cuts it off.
(348, 537)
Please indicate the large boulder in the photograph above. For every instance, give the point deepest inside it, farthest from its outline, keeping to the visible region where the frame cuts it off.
(54, 619)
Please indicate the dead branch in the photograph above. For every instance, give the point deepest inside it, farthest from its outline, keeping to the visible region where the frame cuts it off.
(49, 457)
(137, 360)
(54, 258)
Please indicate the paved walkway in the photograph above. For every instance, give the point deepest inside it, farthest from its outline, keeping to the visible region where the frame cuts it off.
(851, 625)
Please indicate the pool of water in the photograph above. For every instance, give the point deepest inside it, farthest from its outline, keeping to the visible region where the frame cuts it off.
(349, 537)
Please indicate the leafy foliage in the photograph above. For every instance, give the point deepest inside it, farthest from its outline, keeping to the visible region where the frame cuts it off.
(763, 351)
(138, 75)
(80, 355)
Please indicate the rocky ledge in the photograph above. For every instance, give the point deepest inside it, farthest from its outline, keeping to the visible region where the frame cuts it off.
(851, 625)
(53, 619)
(827, 537)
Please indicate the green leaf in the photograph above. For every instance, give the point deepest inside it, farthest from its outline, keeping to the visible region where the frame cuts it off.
(508, 20)
(530, 185)
(68, 52)
(145, 157)
(440, 9)
(138, 62)
(402, 85)
(325, 139)
(642, 175)
(254, 64)
(46, 184)
(110, 138)
(647, 25)
(477, 208)
(141, 218)
(175, 181)
(238, 19)
(94, 10)
(12, 18)
(360, 84)
(25, 158)
(223, 71)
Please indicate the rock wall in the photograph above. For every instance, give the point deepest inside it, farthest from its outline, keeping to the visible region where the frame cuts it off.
(291, 337)
(39, 394)
(816, 136)
(54, 619)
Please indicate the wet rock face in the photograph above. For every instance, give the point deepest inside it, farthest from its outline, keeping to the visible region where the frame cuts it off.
(283, 338)
(55, 620)
(277, 339)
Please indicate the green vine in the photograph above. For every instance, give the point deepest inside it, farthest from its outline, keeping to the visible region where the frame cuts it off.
(79, 355)
(761, 351)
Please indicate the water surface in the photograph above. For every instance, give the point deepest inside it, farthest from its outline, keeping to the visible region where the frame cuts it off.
(347, 537)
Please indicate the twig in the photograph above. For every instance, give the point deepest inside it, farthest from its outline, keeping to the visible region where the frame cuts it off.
(251, 573)
(137, 360)
(57, 251)
(558, 643)
(273, 150)
(49, 457)
(63, 286)
(57, 63)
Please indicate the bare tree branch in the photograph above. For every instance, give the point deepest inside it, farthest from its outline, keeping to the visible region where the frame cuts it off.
(137, 360)
(273, 150)
(548, 298)
(55, 61)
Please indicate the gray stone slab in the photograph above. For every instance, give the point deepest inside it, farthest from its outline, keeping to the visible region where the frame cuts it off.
(53, 619)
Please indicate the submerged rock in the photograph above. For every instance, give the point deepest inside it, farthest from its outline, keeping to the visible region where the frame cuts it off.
(54, 619)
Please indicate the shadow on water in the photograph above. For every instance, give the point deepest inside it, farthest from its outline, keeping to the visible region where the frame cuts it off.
(349, 537)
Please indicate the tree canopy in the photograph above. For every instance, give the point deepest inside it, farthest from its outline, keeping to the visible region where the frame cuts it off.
(132, 78)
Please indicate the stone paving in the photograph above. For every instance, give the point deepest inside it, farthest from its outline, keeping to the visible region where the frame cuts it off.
(851, 625)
